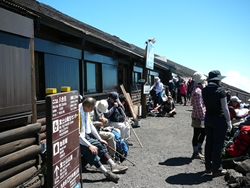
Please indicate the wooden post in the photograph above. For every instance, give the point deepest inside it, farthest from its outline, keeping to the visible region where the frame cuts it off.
(33, 82)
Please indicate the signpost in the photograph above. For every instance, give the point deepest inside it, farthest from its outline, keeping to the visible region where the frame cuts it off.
(150, 55)
(63, 140)
(149, 64)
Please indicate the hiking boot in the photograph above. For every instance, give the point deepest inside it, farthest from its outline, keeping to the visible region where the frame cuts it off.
(200, 151)
(208, 171)
(197, 155)
(118, 168)
(111, 176)
(129, 143)
(220, 173)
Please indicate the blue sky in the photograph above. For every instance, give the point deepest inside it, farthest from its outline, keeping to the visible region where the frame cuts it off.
(203, 35)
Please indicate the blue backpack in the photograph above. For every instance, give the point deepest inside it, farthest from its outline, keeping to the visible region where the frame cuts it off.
(121, 146)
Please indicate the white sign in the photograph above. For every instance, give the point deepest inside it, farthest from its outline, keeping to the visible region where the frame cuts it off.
(146, 89)
(150, 56)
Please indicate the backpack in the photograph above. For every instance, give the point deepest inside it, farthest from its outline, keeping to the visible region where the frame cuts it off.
(117, 116)
(121, 146)
(241, 143)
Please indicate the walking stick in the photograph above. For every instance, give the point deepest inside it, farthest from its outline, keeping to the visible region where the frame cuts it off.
(123, 113)
(121, 155)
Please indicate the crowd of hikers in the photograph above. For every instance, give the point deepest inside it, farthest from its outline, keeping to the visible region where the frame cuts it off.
(219, 120)
(104, 134)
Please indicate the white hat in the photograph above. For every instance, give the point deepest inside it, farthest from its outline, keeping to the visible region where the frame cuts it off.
(199, 77)
(235, 98)
(102, 106)
(157, 79)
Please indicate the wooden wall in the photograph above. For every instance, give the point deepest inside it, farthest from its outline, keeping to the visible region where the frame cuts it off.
(20, 158)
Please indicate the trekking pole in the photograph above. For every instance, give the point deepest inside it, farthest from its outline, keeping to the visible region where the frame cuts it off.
(120, 155)
(123, 113)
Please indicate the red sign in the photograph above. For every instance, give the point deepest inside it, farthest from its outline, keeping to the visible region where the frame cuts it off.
(63, 140)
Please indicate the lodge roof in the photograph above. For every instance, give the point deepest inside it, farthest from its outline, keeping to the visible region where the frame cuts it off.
(37, 9)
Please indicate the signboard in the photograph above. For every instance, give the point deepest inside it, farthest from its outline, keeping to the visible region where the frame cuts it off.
(63, 140)
(150, 56)
(146, 89)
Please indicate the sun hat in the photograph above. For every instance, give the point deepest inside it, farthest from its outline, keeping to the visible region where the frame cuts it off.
(235, 98)
(199, 77)
(102, 106)
(157, 79)
(114, 95)
(215, 75)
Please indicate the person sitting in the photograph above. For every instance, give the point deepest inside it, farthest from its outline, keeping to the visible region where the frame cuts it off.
(95, 150)
(237, 111)
(116, 118)
(100, 123)
(167, 108)
(150, 104)
(123, 100)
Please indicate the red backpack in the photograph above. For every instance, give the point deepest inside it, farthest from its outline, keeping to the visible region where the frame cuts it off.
(241, 142)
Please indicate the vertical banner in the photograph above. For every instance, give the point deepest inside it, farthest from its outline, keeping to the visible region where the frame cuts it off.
(150, 56)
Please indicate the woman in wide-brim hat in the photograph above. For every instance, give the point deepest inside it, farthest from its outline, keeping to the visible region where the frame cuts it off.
(217, 122)
(198, 115)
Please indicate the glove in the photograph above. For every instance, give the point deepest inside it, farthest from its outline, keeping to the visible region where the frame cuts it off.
(229, 126)
(202, 124)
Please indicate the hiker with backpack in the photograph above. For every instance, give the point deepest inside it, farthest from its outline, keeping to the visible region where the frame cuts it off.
(115, 116)
(101, 124)
(198, 115)
(95, 150)
(217, 122)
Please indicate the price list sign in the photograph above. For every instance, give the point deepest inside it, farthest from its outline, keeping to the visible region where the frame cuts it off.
(62, 140)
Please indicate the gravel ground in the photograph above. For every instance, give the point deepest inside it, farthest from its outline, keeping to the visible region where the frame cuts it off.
(163, 161)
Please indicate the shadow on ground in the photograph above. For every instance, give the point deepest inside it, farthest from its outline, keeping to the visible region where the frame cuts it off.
(189, 178)
(176, 161)
(94, 181)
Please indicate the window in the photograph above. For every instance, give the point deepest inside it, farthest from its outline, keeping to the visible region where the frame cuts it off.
(152, 75)
(137, 74)
(93, 78)
(136, 77)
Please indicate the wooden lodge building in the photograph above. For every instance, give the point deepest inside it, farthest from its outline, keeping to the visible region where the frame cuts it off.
(41, 48)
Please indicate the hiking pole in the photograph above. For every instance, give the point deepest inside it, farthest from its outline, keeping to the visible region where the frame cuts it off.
(123, 113)
(120, 155)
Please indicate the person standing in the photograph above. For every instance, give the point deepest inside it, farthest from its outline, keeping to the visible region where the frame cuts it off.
(190, 87)
(95, 150)
(183, 92)
(198, 115)
(158, 87)
(217, 122)
(171, 86)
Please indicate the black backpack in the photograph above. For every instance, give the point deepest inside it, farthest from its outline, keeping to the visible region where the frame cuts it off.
(117, 116)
